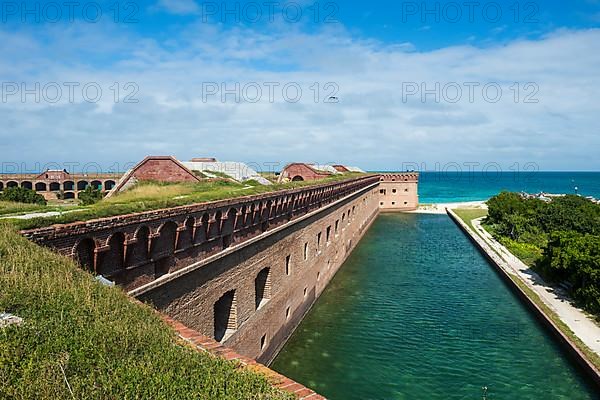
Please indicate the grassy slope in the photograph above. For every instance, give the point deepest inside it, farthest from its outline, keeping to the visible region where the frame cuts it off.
(107, 346)
(153, 196)
(9, 207)
(467, 215)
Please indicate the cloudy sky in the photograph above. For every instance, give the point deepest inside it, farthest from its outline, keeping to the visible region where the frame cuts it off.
(382, 85)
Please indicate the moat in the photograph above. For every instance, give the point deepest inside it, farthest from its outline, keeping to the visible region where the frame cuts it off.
(416, 312)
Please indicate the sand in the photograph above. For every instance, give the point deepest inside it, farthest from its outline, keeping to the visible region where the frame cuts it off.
(440, 208)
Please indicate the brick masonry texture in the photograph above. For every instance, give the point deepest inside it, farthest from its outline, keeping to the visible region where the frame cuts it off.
(52, 184)
(302, 258)
(204, 343)
(242, 272)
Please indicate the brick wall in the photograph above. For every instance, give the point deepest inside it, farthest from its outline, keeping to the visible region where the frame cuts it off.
(299, 171)
(185, 259)
(295, 281)
(201, 264)
(398, 191)
(135, 249)
(162, 170)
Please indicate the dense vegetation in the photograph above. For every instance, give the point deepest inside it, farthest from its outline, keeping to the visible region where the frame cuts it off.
(147, 196)
(82, 340)
(560, 239)
(22, 195)
(89, 196)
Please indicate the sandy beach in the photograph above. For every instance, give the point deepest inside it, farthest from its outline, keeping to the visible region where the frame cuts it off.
(440, 208)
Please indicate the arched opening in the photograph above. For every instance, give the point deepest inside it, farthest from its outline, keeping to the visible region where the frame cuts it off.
(41, 187)
(12, 184)
(69, 195)
(297, 178)
(27, 185)
(241, 220)
(108, 185)
(84, 254)
(112, 259)
(137, 252)
(69, 185)
(228, 228)
(1, 185)
(266, 214)
(186, 237)
(202, 231)
(225, 316)
(54, 186)
(262, 287)
(163, 248)
(97, 185)
(81, 185)
(214, 226)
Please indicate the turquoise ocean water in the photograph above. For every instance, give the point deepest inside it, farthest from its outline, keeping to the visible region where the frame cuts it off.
(439, 187)
(417, 313)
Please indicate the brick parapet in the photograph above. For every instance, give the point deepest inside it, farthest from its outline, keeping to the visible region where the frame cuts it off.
(41, 235)
(136, 249)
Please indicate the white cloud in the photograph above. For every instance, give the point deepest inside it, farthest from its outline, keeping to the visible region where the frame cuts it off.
(179, 6)
(371, 126)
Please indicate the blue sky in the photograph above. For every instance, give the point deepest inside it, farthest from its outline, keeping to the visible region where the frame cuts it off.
(384, 85)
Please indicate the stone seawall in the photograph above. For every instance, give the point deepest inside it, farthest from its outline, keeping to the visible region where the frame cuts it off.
(253, 297)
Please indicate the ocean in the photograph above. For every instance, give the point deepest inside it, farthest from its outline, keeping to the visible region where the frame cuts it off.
(443, 187)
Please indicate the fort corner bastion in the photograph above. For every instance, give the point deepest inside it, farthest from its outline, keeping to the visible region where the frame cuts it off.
(244, 271)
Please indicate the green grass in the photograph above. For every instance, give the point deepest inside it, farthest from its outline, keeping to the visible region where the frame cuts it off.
(153, 195)
(9, 207)
(467, 215)
(526, 252)
(219, 174)
(82, 340)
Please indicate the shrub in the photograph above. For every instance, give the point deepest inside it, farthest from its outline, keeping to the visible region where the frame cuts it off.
(22, 195)
(90, 196)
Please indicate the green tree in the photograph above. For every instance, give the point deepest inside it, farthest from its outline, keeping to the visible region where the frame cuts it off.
(22, 195)
(90, 196)
(574, 257)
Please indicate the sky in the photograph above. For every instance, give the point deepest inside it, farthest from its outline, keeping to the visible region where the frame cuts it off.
(395, 85)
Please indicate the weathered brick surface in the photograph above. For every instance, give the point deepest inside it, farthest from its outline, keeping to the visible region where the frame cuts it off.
(302, 172)
(136, 248)
(398, 191)
(162, 169)
(209, 345)
(186, 260)
(191, 298)
(50, 184)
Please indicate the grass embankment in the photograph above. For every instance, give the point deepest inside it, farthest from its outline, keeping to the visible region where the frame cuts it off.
(148, 196)
(82, 340)
(468, 215)
(9, 207)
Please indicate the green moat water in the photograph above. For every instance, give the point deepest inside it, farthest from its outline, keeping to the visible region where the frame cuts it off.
(417, 313)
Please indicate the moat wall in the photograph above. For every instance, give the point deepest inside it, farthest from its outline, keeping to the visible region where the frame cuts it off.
(301, 258)
(245, 270)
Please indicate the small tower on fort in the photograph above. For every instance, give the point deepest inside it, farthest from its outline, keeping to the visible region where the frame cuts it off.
(398, 191)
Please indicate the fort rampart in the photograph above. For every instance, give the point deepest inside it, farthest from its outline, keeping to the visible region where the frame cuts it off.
(244, 271)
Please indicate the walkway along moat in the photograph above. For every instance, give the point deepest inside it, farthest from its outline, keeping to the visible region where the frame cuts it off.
(416, 312)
